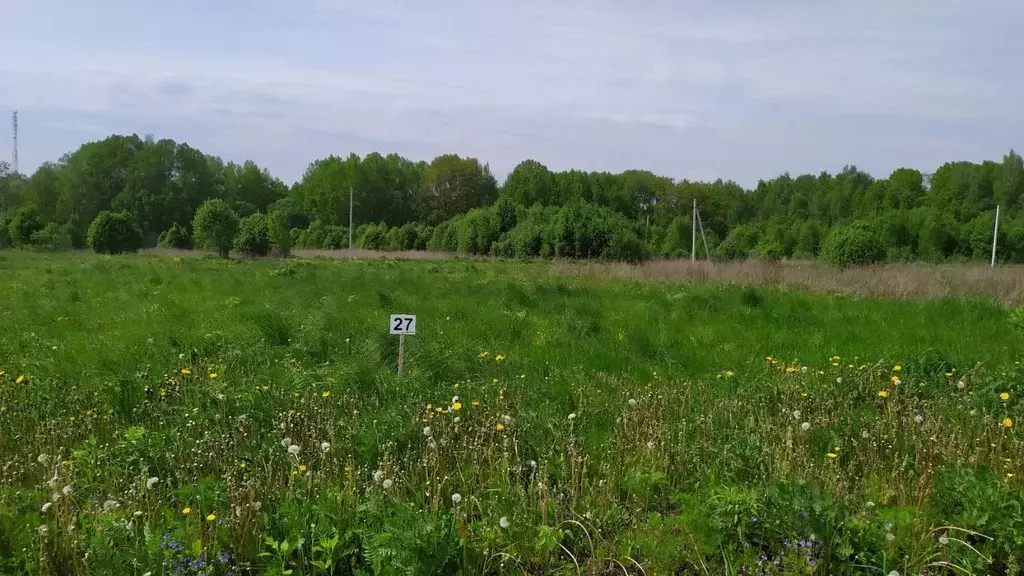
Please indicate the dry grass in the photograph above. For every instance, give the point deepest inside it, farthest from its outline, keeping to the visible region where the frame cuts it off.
(894, 281)
(337, 254)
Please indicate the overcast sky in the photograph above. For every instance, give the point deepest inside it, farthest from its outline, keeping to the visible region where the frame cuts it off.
(740, 90)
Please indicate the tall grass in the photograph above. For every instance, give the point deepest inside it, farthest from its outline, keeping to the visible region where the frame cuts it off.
(544, 423)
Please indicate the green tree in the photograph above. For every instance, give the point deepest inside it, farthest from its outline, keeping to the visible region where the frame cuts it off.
(280, 233)
(23, 225)
(253, 236)
(454, 185)
(114, 233)
(175, 237)
(215, 225)
(853, 244)
(530, 182)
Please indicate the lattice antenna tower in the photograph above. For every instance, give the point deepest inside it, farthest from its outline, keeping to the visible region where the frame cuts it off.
(14, 152)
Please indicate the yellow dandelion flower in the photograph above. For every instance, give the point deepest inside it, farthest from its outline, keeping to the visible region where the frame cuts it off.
(835, 363)
(1007, 422)
(456, 406)
(211, 517)
(499, 427)
(326, 394)
(883, 393)
(949, 373)
(476, 404)
(494, 380)
(439, 410)
(499, 357)
(1009, 474)
(790, 370)
(832, 455)
(895, 378)
(728, 372)
(20, 379)
(897, 368)
(1004, 396)
(264, 388)
(185, 371)
(302, 467)
(483, 355)
(186, 510)
(213, 375)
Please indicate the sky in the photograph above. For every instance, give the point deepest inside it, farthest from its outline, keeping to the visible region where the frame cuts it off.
(740, 90)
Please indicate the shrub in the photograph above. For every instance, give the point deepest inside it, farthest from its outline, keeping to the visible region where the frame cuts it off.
(769, 250)
(624, 246)
(51, 238)
(477, 231)
(23, 224)
(280, 235)
(175, 237)
(253, 238)
(374, 237)
(740, 242)
(215, 225)
(114, 233)
(852, 245)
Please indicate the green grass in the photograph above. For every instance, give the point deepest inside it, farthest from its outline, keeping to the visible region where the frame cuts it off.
(682, 433)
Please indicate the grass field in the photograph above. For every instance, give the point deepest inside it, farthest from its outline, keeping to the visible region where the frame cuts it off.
(188, 415)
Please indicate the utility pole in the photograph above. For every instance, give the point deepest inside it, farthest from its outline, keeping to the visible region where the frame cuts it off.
(995, 237)
(14, 153)
(349, 217)
(693, 235)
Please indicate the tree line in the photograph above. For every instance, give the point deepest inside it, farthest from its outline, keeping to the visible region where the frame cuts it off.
(157, 187)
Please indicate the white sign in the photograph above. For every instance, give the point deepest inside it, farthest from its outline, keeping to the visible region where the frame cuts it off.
(403, 324)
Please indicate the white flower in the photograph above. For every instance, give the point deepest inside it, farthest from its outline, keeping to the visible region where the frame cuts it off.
(504, 523)
(796, 414)
(220, 397)
(286, 442)
(151, 482)
(325, 446)
(870, 504)
(55, 496)
(427, 431)
(294, 449)
(894, 573)
(533, 463)
(918, 418)
(46, 507)
(805, 426)
(148, 574)
(960, 385)
(632, 402)
(43, 459)
(572, 416)
(839, 380)
(650, 445)
(137, 514)
(378, 476)
(897, 382)
(864, 434)
(944, 539)
(455, 399)
(507, 419)
(109, 506)
(456, 498)
(457, 419)
(388, 483)
(803, 369)
(52, 482)
(889, 537)
(42, 529)
(66, 490)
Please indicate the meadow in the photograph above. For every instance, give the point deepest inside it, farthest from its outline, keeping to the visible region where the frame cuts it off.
(165, 414)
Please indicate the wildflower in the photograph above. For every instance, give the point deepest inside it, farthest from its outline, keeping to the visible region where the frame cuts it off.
(805, 426)
(1009, 474)
(944, 539)
(213, 375)
(325, 447)
(1007, 422)
(185, 372)
(839, 380)
(507, 419)
(895, 379)
(109, 506)
(832, 455)
(504, 523)
(893, 573)
(883, 393)
(286, 442)
(151, 482)
(137, 514)
(302, 467)
(483, 355)
(897, 368)
(803, 369)
(499, 357)
(42, 529)
(186, 511)
(456, 406)
(66, 490)
(790, 370)
(499, 427)
(796, 414)
(20, 379)
(918, 418)
(388, 483)
(960, 385)
(572, 416)
(46, 507)
(378, 476)
(1004, 396)
(632, 402)
(456, 498)
(728, 373)
(43, 459)
(326, 394)
(294, 449)
(475, 404)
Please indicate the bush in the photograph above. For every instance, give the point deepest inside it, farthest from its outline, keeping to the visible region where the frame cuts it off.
(740, 242)
(114, 233)
(253, 238)
(280, 235)
(215, 225)
(52, 238)
(176, 237)
(853, 245)
(624, 246)
(23, 224)
(477, 231)
(373, 237)
(769, 250)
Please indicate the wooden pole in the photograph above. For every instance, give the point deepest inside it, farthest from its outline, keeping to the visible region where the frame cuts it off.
(401, 352)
